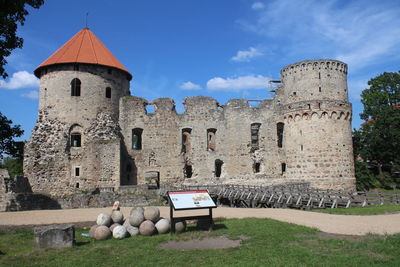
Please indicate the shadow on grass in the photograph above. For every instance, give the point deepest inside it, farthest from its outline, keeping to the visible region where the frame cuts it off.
(81, 243)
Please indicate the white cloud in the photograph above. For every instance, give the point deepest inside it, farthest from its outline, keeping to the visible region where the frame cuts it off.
(359, 34)
(238, 84)
(190, 86)
(20, 79)
(31, 95)
(242, 56)
(257, 5)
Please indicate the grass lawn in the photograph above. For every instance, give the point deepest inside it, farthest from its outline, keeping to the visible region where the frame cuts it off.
(269, 243)
(368, 210)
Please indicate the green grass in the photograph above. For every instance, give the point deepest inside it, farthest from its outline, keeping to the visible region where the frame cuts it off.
(270, 243)
(368, 210)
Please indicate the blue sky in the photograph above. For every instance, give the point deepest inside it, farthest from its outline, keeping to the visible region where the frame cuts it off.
(220, 48)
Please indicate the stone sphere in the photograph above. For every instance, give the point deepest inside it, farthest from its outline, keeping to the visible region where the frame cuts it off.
(163, 226)
(104, 219)
(102, 232)
(119, 232)
(92, 230)
(147, 228)
(132, 230)
(113, 226)
(152, 214)
(180, 227)
(136, 218)
(117, 216)
(141, 209)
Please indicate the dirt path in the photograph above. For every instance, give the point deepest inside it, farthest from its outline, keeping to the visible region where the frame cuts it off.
(330, 223)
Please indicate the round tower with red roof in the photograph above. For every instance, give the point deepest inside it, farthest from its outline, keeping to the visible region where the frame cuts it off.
(80, 88)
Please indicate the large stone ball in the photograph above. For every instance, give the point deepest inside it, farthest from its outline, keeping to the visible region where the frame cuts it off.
(102, 232)
(136, 218)
(163, 226)
(180, 227)
(132, 230)
(147, 228)
(152, 214)
(141, 209)
(92, 230)
(119, 232)
(113, 226)
(117, 216)
(104, 219)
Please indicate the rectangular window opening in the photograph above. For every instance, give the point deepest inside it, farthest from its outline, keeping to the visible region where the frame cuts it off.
(77, 171)
(76, 140)
(254, 130)
(279, 131)
(211, 141)
(283, 167)
(137, 138)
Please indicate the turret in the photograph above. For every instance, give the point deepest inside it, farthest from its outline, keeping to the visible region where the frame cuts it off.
(316, 117)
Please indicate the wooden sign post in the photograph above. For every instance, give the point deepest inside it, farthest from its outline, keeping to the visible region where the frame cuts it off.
(190, 200)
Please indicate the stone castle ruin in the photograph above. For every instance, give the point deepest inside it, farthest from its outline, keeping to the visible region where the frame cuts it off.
(91, 133)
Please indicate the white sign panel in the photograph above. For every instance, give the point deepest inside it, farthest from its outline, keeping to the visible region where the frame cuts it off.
(191, 199)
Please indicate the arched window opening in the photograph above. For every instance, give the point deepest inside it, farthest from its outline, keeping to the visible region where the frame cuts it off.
(77, 185)
(186, 140)
(76, 87)
(283, 168)
(188, 170)
(218, 167)
(320, 90)
(76, 140)
(254, 130)
(108, 92)
(279, 130)
(211, 142)
(137, 138)
(256, 167)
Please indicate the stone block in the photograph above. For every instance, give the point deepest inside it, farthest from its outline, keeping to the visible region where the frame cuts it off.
(54, 236)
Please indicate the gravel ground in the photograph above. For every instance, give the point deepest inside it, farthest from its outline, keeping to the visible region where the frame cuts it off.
(329, 223)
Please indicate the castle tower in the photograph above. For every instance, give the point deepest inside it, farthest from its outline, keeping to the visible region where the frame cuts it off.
(316, 124)
(75, 143)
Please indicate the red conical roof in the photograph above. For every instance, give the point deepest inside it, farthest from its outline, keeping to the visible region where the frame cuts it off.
(84, 47)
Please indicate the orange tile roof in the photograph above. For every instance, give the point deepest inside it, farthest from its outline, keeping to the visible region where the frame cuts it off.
(84, 47)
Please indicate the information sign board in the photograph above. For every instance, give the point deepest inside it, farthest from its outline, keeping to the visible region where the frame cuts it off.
(199, 199)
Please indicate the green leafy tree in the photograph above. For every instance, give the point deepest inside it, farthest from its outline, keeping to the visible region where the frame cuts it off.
(378, 139)
(12, 12)
(7, 135)
(13, 165)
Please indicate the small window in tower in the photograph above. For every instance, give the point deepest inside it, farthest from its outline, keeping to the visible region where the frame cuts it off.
(188, 170)
(294, 93)
(254, 131)
(211, 142)
(137, 138)
(218, 167)
(301, 147)
(76, 140)
(320, 90)
(283, 167)
(108, 92)
(309, 106)
(76, 87)
(319, 75)
(256, 167)
(279, 131)
(186, 140)
(109, 71)
(77, 171)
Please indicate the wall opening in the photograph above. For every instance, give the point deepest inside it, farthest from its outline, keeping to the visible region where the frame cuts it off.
(256, 167)
(152, 179)
(137, 138)
(77, 172)
(77, 185)
(320, 89)
(150, 109)
(188, 171)
(309, 106)
(319, 75)
(301, 147)
(279, 131)
(254, 130)
(186, 140)
(76, 87)
(76, 140)
(283, 168)
(218, 167)
(211, 141)
(108, 92)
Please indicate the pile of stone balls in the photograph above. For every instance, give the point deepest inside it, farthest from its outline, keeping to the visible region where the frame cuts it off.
(144, 221)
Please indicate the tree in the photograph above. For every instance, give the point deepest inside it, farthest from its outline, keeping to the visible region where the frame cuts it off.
(7, 134)
(11, 13)
(378, 139)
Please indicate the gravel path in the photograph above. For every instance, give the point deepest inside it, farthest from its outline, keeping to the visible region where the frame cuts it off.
(330, 223)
